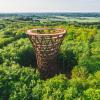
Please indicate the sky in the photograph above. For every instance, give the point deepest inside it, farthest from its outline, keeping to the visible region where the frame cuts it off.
(8, 6)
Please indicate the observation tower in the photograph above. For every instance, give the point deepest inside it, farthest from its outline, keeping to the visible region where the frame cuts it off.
(46, 43)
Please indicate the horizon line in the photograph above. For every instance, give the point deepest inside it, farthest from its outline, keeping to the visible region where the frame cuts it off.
(52, 12)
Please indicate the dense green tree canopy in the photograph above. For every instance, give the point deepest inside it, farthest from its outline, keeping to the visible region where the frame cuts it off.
(78, 62)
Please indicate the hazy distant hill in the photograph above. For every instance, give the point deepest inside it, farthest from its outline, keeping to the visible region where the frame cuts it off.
(52, 14)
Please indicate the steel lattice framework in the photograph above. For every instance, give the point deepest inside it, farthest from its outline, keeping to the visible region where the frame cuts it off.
(46, 49)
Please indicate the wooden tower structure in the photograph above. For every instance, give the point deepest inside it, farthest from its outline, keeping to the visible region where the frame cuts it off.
(46, 43)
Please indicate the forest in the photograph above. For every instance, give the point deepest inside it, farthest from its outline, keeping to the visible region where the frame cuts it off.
(78, 60)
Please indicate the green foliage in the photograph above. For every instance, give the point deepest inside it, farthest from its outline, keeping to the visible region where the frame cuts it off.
(54, 88)
(98, 26)
(70, 93)
(79, 56)
(80, 72)
(67, 60)
(5, 41)
(26, 57)
(8, 33)
(92, 94)
(51, 89)
(16, 82)
(2, 26)
(20, 52)
(97, 75)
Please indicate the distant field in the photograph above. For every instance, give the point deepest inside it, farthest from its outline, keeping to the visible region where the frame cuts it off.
(80, 19)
